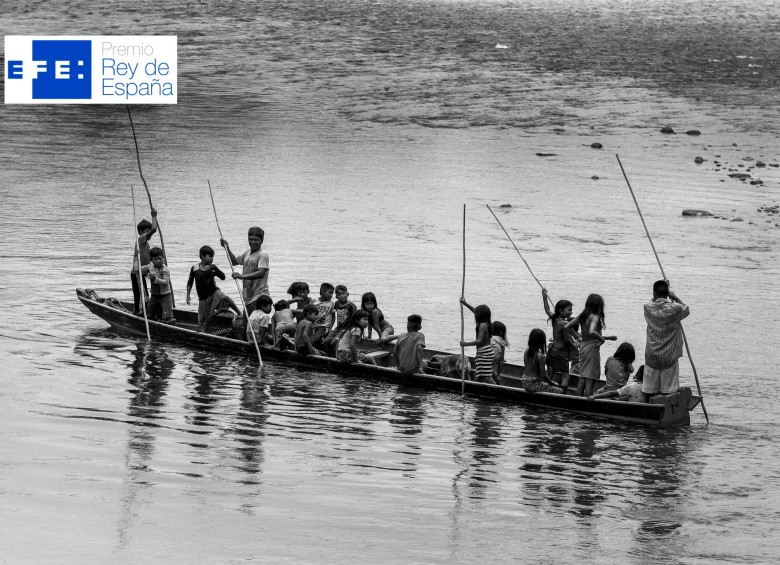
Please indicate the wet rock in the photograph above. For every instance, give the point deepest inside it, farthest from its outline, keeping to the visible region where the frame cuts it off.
(696, 213)
(594, 177)
(747, 158)
(667, 130)
(596, 145)
(505, 206)
(698, 160)
(717, 155)
(774, 164)
(737, 220)
(693, 132)
(740, 176)
(757, 181)
(545, 154)
(760, 164)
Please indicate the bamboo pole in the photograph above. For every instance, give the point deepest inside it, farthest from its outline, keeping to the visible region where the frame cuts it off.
(663, 274)
(462, 319)
(149, 195)
(140, 274)
(238, 287)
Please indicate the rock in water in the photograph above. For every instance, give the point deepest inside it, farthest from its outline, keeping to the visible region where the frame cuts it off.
(545, 154)
(760, 164)
(594, 177)
(696, 213)
(693, 132)
(698, 160)
(667, 130)
(505, 206)
(596, 145)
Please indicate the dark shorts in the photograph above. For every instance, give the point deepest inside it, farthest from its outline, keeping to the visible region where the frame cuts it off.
(557, 365)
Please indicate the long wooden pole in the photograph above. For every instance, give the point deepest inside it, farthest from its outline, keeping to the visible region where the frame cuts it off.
(238, 287)
(462, 319)
(149, 195)
(515, 246)
(650, 239)
(140, 274)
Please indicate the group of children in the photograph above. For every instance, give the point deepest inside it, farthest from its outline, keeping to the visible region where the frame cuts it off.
(335, 328)
(573, 350)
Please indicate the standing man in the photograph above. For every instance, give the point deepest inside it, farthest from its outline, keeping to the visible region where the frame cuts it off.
(255, 271)
(663, 349)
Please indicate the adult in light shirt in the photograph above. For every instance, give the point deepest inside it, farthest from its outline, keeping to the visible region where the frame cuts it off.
(664, 315)
(255, 267)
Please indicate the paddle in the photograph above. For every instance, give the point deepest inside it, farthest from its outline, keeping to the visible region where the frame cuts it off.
(462, 319)
(685, 339)
(240, 292)
(149, 195)
(140, 275)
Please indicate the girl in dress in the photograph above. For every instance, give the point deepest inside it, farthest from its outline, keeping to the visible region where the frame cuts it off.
(499, 343)
(591, 324)
(484, 360)
(347, 349)
(535, 377)
(376, 320)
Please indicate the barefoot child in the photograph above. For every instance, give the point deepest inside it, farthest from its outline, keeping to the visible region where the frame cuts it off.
(376, 318)
(408, 348)
(484, 360)
(631, 392)
(160, 301)
(535, 377)
(260, 322)
(141, 259)
(347, 350)
(558, 354)
(499, 343)
(591, 323)
(284, 323)
(299, 294)
(303, 333)
(343, 310)
(210, 298)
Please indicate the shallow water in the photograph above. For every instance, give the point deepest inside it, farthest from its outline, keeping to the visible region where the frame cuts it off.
(354, 133)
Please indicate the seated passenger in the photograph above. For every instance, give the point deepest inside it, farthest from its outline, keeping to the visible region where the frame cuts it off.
(304, 331)
(299, 293)
(619, 367)
(535, 377)
(283, 322)
(408, 348)
(499, 343)
(260, 321)
(632, 392)
(376, 320)
(347, 350)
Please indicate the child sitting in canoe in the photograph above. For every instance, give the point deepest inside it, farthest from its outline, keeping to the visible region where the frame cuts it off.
(591, 323)
(324, 321)
(376, 318)
(343, 311)
(260, 321)
(210, 297)
(141, 258)
(409, 345)
(483, 363)
(619, 367)
(535, 377)
(284, 324)
(499, 343)
(160, 277)
(304, 331)
(631, 392)
(347, 350)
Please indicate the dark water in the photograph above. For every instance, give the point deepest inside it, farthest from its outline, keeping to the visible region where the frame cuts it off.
(353, 132)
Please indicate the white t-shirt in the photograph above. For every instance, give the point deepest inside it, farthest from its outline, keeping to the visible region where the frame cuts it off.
(252, 262)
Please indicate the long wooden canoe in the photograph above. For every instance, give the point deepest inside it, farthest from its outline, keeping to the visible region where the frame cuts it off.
(661, 410)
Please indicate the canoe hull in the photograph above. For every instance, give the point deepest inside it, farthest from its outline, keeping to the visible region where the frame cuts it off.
(664, 411)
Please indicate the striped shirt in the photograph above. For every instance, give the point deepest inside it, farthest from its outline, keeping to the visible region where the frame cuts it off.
(664, 332)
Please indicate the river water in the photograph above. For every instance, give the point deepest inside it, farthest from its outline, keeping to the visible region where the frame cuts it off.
(354, 132)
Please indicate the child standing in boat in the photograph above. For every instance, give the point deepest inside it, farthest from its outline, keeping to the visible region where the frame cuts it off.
(324, 320)
(484, 360)
(304, 331)
(591, 324)
(299, 294)
(499, 343)
(376, 318)
(210, 297)
(160, 301)
(535, 377)
(141, 258)
(343, 311)
(559, 352)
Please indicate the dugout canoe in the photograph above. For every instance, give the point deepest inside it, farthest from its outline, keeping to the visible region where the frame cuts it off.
(661, 411)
